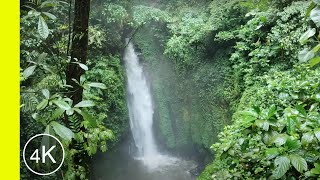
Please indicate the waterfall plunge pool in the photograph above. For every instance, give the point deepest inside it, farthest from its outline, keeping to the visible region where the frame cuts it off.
(140, 158)
(120, 165)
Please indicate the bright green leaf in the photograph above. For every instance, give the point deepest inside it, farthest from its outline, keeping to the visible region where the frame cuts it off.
(304, 38)
(301, 110)
(85, 104)
(314, 61)
(317, 133)
(307, 138)
(29, 71)
(292, 144)
(272, 153)
(42, 104)
(62, 131)
(49, 15)
(62, 104)
(43, 29)
(83, 66)
(298, 162)
(282, 164)
(305, 55)
(272, 110)
(97, 85)
(280, 139)
(315, 16)
(46, 93)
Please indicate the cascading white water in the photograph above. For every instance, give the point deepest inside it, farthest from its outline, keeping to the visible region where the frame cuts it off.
(141, 116)
(140, 105)
(148, 163)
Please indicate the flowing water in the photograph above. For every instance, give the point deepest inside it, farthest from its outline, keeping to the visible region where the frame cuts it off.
(143, 161)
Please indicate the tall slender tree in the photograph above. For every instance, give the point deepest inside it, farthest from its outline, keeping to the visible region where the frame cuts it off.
(79, 48)
(79, 53)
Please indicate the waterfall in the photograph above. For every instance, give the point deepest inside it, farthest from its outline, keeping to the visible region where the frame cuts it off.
(140, 105)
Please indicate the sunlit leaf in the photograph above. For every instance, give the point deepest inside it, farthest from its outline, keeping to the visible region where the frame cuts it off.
(62, 104)
(298, 162)
(305, 55)
(49, 15)
(272, 153)
(43, 28)
(315, 16)
(85, 104)
(304, 38)
(29, 71)
(317, 133)
(64, 132)
(42, 104)
(46, 93)
(282, 164)
(314, 61)
(307, 138)
(97, 85)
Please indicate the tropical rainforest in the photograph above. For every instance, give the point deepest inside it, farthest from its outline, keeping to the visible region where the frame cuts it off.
(235, 84)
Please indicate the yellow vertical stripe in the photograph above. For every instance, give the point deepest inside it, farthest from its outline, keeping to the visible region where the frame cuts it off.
(9, 90)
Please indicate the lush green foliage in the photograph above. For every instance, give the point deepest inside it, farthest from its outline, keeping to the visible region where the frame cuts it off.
(278, 136)
(45, 106)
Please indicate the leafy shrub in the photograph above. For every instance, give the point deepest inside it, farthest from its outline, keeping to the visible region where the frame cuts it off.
(279, 137)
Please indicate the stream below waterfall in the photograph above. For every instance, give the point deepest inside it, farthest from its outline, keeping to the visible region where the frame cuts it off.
(140, 159)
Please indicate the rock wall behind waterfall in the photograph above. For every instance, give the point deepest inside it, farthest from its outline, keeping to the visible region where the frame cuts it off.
(189, 112)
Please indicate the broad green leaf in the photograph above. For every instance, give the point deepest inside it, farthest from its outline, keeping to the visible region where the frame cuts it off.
(70, 111)
(256, 109)
(315, 16)
(272, 110)
(62, 104)
(291, 124)
(301, 110)
(305, 55)
(42, 104)
(29, 71)
(316, 48)
(262, 124)
(272, 153)
(85, 104)
(282, 164)
(304, 38)
(43, 29)
(49, 15)
(35, 116)
(97, 85)
(314, 61)
(46, 93)
(87, 117)
(48, 142)
(57, 113)
(292, 144)
(316, 169)
(307, 138)
(83, 66)
(298, 162)
(317, 133)
(280, 139)
(312, 5)
(64, 132)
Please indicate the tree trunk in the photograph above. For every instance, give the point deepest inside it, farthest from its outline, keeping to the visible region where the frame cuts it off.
(79, 49)
(79, 53)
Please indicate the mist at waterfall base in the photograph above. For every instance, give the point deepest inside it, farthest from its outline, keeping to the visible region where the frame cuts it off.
(139, 158)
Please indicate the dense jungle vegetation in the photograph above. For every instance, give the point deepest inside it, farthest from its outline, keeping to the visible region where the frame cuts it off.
(235, 81)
